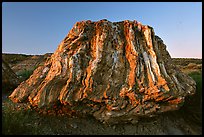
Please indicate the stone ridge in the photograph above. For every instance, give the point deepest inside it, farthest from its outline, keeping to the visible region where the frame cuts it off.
(119, 71)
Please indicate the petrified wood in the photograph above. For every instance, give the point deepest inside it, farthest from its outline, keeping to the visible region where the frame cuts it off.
(119, 71)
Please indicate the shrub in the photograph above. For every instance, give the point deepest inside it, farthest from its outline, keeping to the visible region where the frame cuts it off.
(25, 74)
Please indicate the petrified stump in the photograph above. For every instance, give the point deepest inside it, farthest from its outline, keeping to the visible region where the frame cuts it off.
(118, 71)
(9, 79)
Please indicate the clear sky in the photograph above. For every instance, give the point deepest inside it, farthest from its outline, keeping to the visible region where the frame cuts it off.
(39, 27)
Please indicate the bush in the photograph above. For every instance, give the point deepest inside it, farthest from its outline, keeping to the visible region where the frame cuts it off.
(25, 74)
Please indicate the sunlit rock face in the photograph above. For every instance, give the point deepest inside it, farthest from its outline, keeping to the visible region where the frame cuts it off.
(118, 71)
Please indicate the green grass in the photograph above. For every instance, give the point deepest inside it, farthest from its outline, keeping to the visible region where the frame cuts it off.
(193, 104)
(15, 121)
(196, 99)
(27, 121)
(25, 74)
(197, 76)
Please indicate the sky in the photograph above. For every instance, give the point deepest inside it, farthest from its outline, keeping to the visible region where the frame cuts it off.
(36, 28)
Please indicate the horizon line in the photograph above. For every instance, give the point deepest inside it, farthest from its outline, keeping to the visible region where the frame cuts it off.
(53, 52)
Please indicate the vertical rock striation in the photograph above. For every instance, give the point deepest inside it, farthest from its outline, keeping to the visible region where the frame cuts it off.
(118, 71)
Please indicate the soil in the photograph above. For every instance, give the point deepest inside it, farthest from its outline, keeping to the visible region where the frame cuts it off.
(169, 123)
(185, 121)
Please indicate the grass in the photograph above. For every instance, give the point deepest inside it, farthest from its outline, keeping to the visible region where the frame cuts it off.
(197, 76)
(23, 120)
(193, 104)
(25, 74)
(19, 119)
(15, 121)
(196, 99)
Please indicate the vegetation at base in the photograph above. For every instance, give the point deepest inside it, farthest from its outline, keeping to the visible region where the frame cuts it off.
(196, 99)
(197, 76)
(26, 121)
(19, 119)
(15, 122)
(193, 104)
(25, 74)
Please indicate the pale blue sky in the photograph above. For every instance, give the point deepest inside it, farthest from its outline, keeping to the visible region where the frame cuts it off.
(38, 27)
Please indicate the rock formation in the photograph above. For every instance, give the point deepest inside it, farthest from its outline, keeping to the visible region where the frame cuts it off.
(9, 78)
(117, 71)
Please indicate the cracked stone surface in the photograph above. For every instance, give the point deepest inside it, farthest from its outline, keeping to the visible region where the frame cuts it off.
(115, 71)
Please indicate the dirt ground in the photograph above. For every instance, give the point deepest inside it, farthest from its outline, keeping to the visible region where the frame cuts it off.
(169, 123)
(185, 121)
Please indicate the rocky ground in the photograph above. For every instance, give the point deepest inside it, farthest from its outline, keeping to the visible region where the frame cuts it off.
(22, 119)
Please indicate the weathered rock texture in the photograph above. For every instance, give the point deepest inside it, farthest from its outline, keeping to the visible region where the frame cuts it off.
(117, 71)
(9, 78)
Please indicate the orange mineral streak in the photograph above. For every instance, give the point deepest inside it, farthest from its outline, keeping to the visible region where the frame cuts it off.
(132, 62)
(104, 93)
(175, 101)
(96, 99)
(84, 94)
(63, 92)
(155, 67)
(61, 46)
(130, 53)
(160, 80)
(132, 98)
(109, 107)
(123, 92)
(88, 83)
(160, 98)
(94, 53)
(152, 90)
(145, 98)
(151, 83)
(88, 70)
